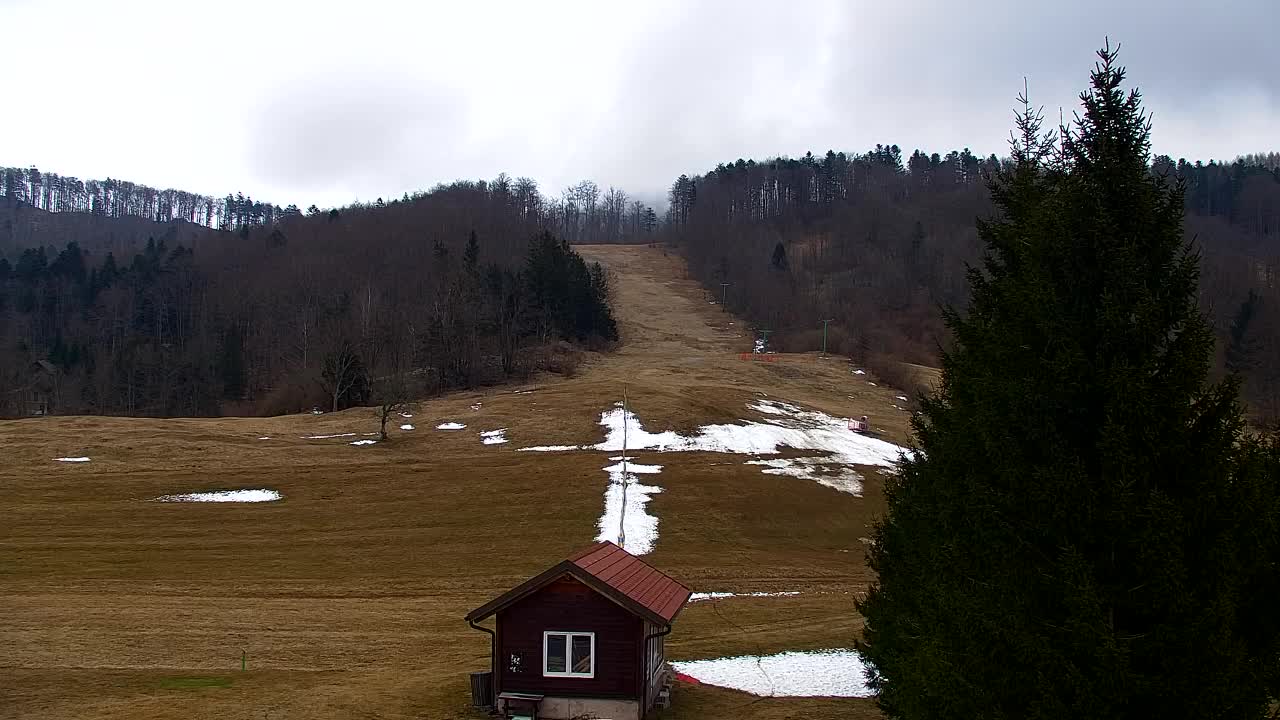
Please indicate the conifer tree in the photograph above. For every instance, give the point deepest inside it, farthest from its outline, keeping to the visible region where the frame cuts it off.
(1085, 531)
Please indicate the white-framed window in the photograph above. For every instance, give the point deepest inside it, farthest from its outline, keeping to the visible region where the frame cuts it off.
(568, 654)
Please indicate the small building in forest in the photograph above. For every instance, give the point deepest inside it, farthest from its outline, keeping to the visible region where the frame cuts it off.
(583, 639)
(41, 388)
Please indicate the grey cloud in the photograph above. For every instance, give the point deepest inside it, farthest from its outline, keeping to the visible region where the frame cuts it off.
(370, 132)
(328, 103)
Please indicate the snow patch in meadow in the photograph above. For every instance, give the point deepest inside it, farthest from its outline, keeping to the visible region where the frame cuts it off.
(774, 408)
(821, 470)
(477, 406)
(406, 427)
(406, 415)
(859, 372)
(365, 442)
(788, 426)
(235, 496)
(72, 459)
(493, 437)
(625, 521)
(265, 437)
(328, 437)
(828, 673)
(700, 596)
(450, 426)
(903, 398)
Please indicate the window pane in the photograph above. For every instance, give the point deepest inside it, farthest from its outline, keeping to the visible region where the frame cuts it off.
(582, 653)
(555, 653)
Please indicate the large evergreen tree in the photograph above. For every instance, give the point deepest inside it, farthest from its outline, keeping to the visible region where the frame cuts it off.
(1085, 532)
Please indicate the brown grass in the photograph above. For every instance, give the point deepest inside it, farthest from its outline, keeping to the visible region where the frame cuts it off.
(348, 595)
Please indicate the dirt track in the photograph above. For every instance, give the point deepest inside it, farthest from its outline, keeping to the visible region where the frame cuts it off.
(348, 595)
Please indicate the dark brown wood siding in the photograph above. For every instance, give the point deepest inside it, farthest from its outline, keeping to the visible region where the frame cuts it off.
(654, 660)
(568, 605)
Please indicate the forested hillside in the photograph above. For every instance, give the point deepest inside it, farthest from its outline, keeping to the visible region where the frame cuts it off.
(879, 244)
(468, 284)
(581, 213)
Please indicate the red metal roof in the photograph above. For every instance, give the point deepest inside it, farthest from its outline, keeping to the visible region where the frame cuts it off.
(637, 580)
(612, 572)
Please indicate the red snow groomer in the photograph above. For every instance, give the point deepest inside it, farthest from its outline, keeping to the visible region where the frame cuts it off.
(860, 425)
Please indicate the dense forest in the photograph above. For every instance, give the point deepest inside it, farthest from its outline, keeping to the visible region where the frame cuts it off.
(273, 312)
(879, 243)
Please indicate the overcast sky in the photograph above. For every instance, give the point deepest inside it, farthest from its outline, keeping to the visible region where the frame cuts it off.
(302, 102)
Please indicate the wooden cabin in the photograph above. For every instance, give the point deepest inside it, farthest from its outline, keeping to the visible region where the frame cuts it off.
(37, 396)
(584, 638)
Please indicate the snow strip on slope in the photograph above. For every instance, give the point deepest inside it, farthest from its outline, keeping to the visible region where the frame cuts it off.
(625, 521)
(450, 426)
(365, 442)
(823, 470)
(238, 496)
(72, 459)
(806, 430)
(789, 426)
(700, 596)
(406, 427)
(830, 673)
(327, 437)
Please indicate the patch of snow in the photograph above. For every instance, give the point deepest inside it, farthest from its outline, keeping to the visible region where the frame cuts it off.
(617, 469)
(406, 427)
(700, 596)
(365, 442)
(829, 673)
(791, 427)
(774, 408)
(327, 437)
(859, 372)
(265, 437)
(477, 406)
(494, 437)
(637, 438)
(522, 392)
(625, 520)
(872, 384)
(406, 415)
(450, 426)
(903, 398)
(237, 496)
(72, 459)
(817, 469)
(317, 411)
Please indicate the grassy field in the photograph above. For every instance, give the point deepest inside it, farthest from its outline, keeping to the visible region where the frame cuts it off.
(346, 598)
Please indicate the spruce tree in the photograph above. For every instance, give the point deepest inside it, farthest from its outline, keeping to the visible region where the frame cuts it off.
(1084, 531)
